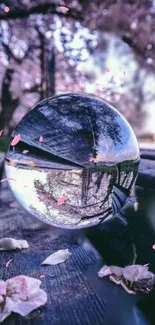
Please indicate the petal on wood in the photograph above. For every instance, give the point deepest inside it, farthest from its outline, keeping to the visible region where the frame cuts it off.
(15, 140)
(8, 263)
(8, 244)
(23, 296)
(58, 257)
(2, 287)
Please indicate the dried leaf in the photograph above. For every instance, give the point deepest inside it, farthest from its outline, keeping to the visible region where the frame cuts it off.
(8, 244)
(15, 140)
(58, 257)
(21, 295)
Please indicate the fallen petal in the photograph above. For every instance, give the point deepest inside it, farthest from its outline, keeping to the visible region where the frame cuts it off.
(153, 246)
(2, 287)
(7, 264)
(65, 9)
(58, 257)
(23, 295)
(104, 271)
(8, 244)
(41, 197)
(5, 310)
(136, 206)
(61, 200)
(15, 140)
(42, 276)
(1, 132)
(8, 179)
(41, 139)
(25, 151)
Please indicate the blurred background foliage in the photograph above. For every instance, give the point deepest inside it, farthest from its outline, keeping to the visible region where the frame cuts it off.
(105, 48)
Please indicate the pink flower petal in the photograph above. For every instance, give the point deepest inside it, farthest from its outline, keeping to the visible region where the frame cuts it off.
(2, 287)
(8, 263)
(124, 73)
(41, 197)
(23, 295)
(7, 179)
(41, 139)
(153, 246)
(64, 9)
(107, 70)
(61, 200)
(93, 159)
(42, 276)
(1, 132)
(15, 140)
(25, 151)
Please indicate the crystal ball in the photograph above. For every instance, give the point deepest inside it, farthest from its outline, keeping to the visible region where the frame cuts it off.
(73, 160)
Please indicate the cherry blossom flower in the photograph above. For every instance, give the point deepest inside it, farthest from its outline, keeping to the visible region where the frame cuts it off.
(21, 294)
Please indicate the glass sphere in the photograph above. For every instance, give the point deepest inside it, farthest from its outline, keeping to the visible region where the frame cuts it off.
(74, 159)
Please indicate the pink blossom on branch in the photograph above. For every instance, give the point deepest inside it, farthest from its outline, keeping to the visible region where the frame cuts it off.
(15, 140)
(21, 294)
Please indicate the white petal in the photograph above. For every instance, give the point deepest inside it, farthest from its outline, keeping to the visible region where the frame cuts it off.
(58, 257)
(25, 307)
(24, 295)
(11, 244)
(5, 311)
(24, 285)
(2, 287)
(104, 271)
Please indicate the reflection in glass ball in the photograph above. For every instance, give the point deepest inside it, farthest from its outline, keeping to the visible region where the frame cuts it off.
(76, 162)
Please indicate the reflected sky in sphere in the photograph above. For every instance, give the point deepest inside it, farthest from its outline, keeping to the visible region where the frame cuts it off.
(84, 169)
